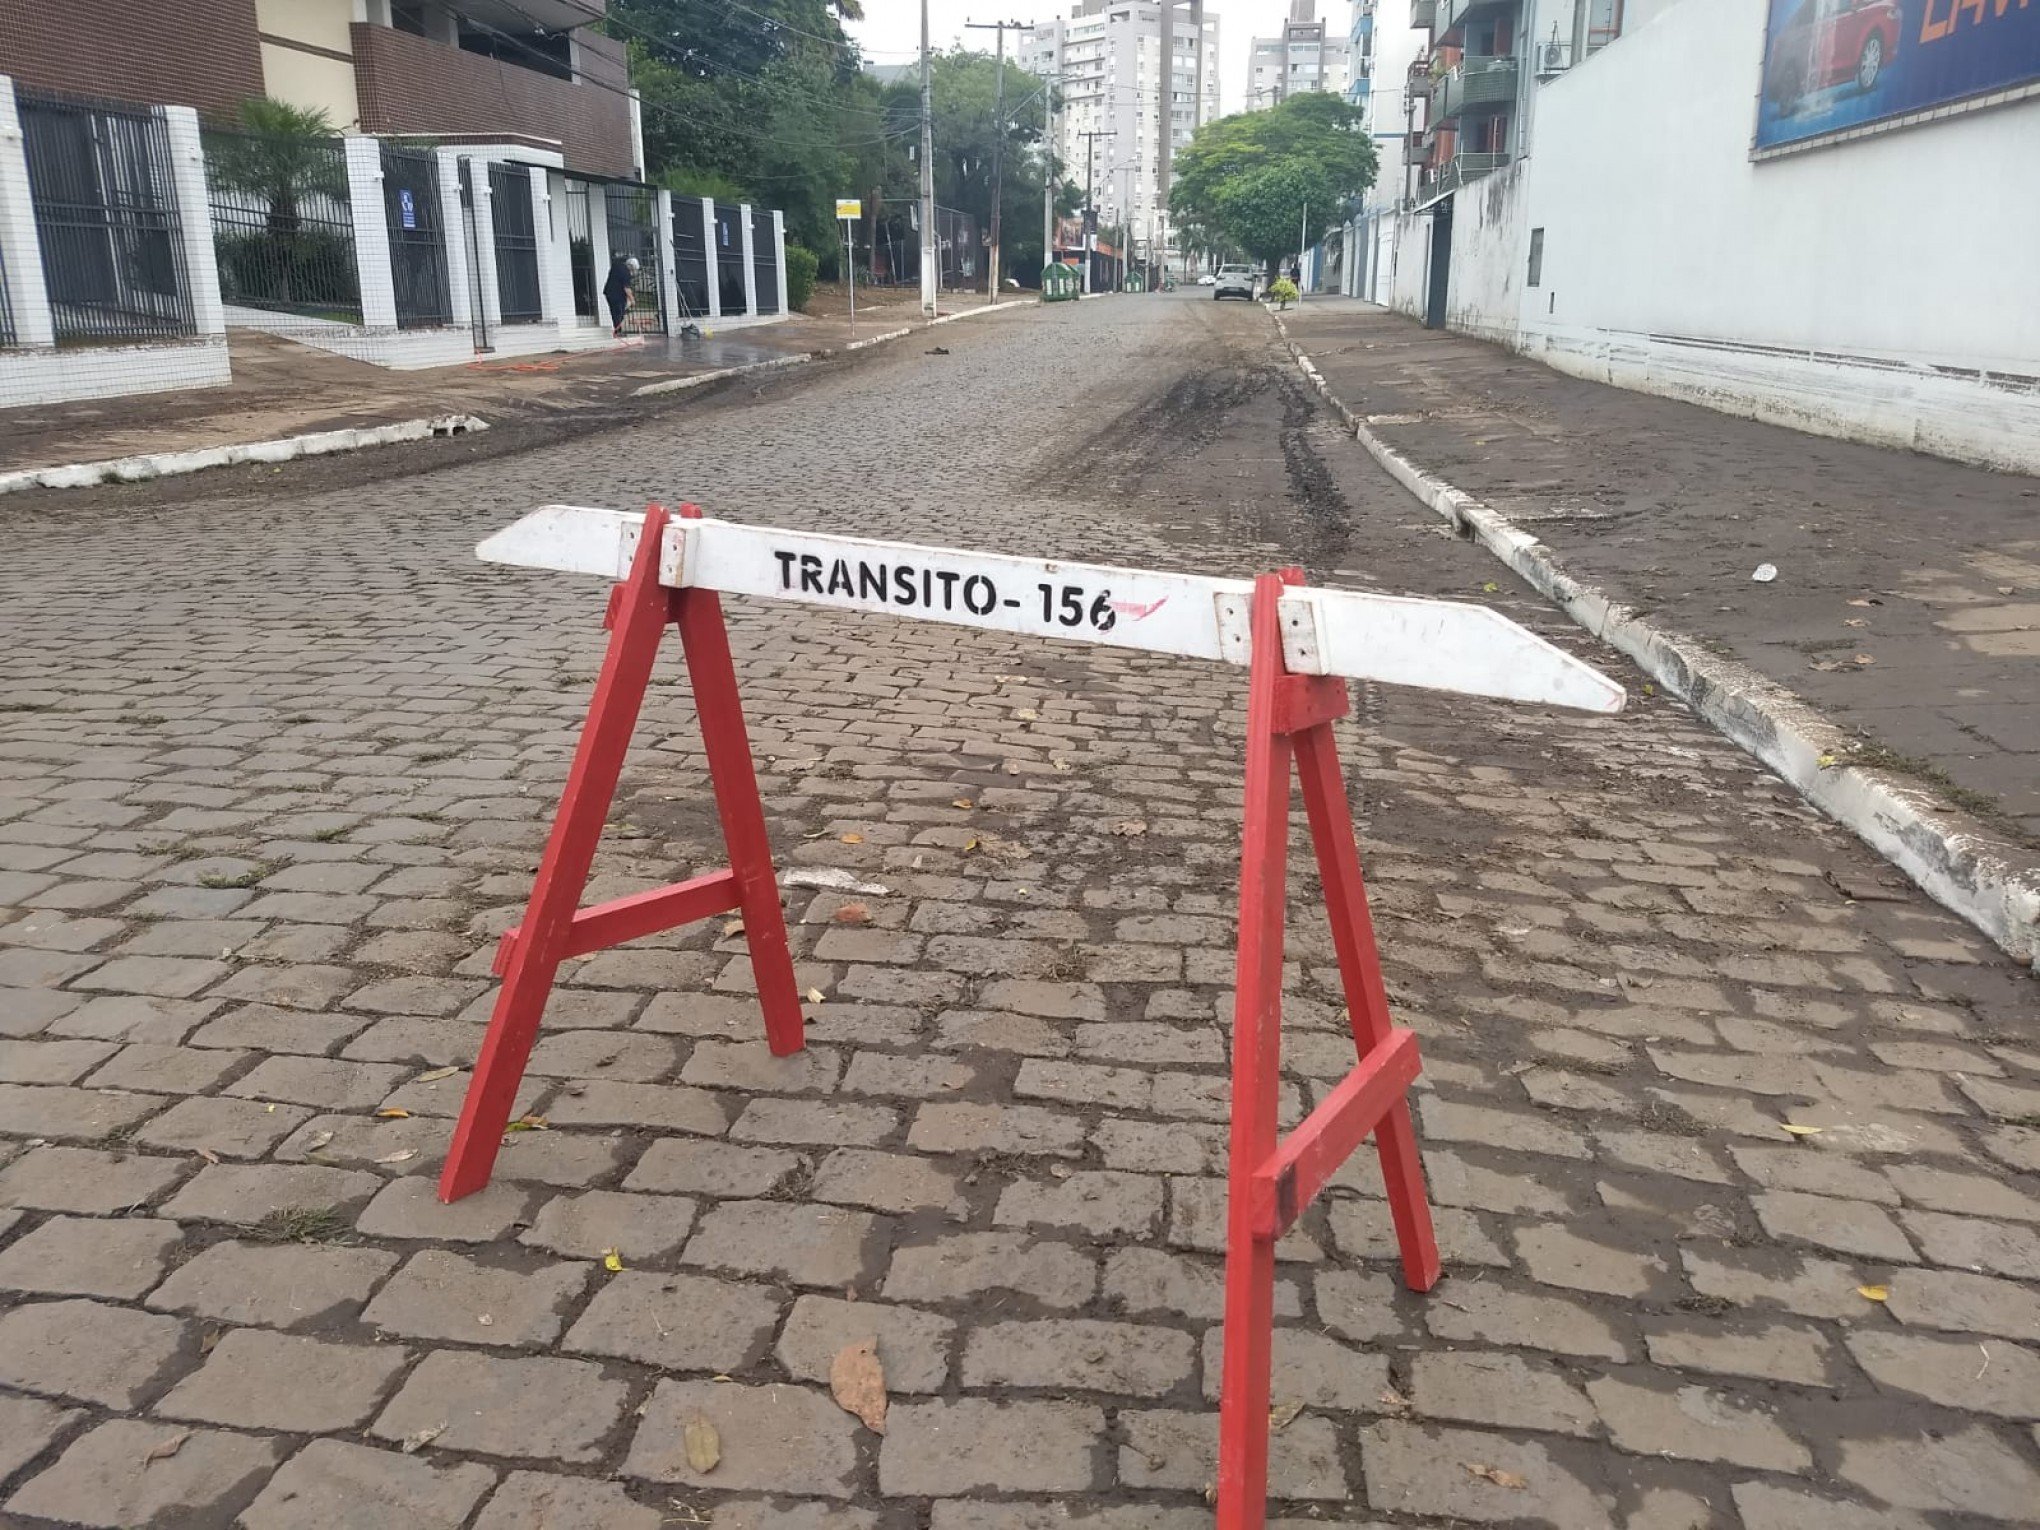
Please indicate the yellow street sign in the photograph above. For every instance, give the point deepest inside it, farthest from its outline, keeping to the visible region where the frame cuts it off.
(850, 208)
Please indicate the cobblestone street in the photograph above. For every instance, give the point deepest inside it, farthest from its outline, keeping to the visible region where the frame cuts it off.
(1734, 1139)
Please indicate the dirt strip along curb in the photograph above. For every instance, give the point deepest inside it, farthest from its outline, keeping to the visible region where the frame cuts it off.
(1951, 856)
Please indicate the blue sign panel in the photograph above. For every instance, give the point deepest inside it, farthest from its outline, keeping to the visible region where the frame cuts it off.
(1835, 65)
(407, 207)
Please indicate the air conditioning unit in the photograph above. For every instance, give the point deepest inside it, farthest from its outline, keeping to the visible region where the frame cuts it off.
(1553, 58)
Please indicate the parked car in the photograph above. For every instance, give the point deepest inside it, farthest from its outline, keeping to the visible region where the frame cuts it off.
(1828, 43)
(1207, 280)
(1233, 281)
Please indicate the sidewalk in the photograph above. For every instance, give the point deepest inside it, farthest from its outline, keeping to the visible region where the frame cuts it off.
(283, 389)
(1906, 606)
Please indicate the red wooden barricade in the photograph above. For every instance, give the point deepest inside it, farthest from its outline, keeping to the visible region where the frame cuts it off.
(1271, 1179)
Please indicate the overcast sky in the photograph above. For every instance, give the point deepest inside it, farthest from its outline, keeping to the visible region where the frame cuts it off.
(891, 30)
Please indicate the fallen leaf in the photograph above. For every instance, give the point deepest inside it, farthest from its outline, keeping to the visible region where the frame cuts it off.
(317, 1140)
(853, 839)
(703, 1444)
(404, 1156)
(1393, 1400)
(435, 1075)
(734, 927)
(814, 996)
(1865, 660)
(487, 1320)
(1027, 714)
(1854, 621)
(1489, 587)
(413, 1443)
(1128, 828)
(612, 1261)
(1496, 1475)
(211, 1157)
(167, 1449)
(1860, 601)
(963, 802)
(1800, 1131)
(852, 913)
(393, 1113)
(857, 1381)
(528, 1124)
(1826, 761)
(1874, 1293)
(1649, 689)
(1282, 1415)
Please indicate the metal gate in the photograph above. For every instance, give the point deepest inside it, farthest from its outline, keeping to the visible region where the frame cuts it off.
(633, 212)
(6, 309)
(1441, 265)
(765, 261)
(690, 257)
(282, 226)
(100, 181)
(516, 245)
(417, 238)
(729, 259)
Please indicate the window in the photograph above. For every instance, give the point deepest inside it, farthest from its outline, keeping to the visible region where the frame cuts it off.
(1537, 257)
(408, 16)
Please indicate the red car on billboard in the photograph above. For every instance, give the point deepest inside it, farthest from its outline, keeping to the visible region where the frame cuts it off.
(1828, 43)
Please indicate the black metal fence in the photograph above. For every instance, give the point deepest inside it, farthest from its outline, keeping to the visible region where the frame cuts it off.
(729, 259)
(6, 305)
(516, 245)
(104, 193)
(764, 261)
(417, 231)
(692, 270)
(283, 224)
(633, 212)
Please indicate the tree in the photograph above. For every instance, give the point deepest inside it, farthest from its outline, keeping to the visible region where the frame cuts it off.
(281, 154)
(1245, 182)
(276, 160)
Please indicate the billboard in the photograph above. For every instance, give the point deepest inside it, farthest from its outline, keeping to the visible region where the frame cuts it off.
(1840, 66)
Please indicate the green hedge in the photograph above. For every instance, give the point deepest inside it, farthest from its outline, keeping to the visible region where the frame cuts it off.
(801, 266)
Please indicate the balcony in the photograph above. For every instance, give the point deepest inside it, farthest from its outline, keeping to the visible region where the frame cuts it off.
(1421, 79)
(1424, 13)
(412, 85)
(1465, 167)
(1453, 14)
(1478, 85)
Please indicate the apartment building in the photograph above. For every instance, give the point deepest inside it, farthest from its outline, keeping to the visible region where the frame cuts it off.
(1307, 56)
(1107, 55)
(530, 72)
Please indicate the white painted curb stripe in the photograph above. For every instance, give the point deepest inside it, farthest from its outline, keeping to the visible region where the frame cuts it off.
(1954, 859)
(148, 465)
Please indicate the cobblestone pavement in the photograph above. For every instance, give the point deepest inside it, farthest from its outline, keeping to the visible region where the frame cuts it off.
(1928, 568)
(273, 772)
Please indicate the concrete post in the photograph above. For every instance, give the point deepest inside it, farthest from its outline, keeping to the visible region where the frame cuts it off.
(28, 298)
(194, 218)
(714, 269)
(669, 292)
(750, 265)
(371, 233)
(779, 253)
(598, 245)
(485, 244)
(555, 253)
(459, 278)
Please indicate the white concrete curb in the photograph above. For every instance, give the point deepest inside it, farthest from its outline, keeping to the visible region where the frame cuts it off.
(678, 384)
(79, 475)
(1953, 858)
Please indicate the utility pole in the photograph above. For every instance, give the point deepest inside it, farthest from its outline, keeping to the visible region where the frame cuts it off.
(1302, 248)
(998, 143)
(1090, 206)
(931, 256)
(1048, 174)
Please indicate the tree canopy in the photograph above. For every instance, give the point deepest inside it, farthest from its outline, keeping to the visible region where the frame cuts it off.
(1245, 182)
(769, 101)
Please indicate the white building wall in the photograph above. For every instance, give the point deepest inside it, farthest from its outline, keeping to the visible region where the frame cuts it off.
(1863, 289)
(1490, 240)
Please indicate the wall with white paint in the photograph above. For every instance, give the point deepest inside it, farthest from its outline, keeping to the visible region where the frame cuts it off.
(1871, 289)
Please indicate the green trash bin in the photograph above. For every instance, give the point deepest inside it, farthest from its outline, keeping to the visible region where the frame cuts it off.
(1136, 281)
(1058, 283)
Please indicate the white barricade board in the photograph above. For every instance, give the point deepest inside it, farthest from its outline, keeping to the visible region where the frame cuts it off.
(1441, 645)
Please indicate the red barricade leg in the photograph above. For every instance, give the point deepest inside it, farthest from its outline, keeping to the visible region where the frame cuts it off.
(1338, 858)
(714, 678)
(1257, 1084)
(638, 617)
(1271, 1179)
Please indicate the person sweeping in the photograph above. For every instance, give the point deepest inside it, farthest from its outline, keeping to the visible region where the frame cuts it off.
(617, 291)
